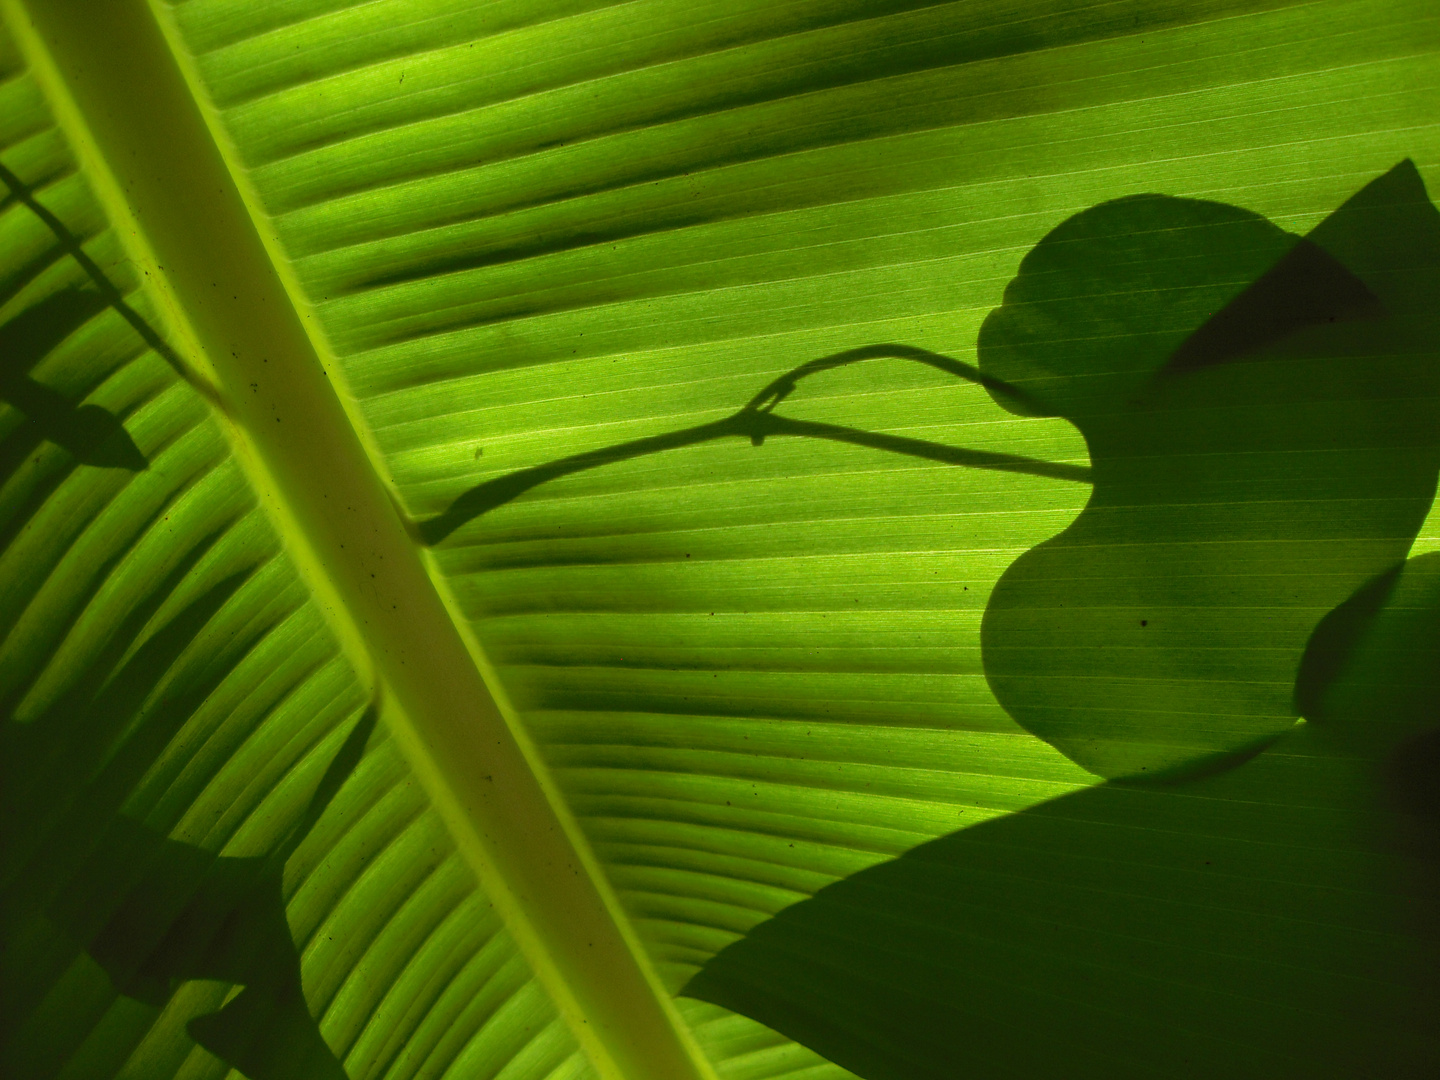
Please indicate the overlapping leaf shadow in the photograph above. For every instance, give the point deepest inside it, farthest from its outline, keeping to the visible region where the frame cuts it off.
(77, 874)
(1269, 912)
(1253, 467)
(1277, 920)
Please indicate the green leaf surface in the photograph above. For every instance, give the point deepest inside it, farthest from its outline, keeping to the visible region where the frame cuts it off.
(773, 622)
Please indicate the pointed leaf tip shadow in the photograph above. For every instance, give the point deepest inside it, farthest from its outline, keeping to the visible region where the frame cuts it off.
(1135, 931)
(198, 916)
(109, 292)
(1307, 287)
(90, 433)
(151, 911)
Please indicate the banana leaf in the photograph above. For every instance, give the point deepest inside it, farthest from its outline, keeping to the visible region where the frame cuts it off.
(819, 539)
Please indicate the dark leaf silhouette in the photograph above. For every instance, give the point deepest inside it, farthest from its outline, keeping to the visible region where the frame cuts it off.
(1138, 930)
(1234, 502)
(151, 911)
(90, 433)
(1179, 626)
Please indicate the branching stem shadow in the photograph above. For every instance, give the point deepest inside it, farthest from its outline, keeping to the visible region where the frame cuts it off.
(109, 292)
(757, 421)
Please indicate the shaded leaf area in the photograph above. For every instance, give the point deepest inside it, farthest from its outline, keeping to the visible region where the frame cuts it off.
(1252, 468)
(1255, 452)
(1278, 920)
(109, 580)
(194, 915)
(151, 911)
(79, 389)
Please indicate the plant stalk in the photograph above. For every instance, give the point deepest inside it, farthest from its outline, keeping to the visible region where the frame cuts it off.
(126, 94)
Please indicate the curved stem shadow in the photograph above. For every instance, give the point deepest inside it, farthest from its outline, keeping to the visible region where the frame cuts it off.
(21, 192)
(757, 421)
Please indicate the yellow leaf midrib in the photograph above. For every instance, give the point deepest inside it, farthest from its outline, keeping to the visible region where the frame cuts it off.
(127, 97)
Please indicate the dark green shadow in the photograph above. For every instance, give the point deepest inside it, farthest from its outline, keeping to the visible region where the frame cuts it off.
(92, 435)
(1274, 922)
(79, 875)
(1263, 417)
(108, 291)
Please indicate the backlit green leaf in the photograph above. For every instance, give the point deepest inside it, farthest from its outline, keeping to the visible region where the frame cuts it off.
(848, 511)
